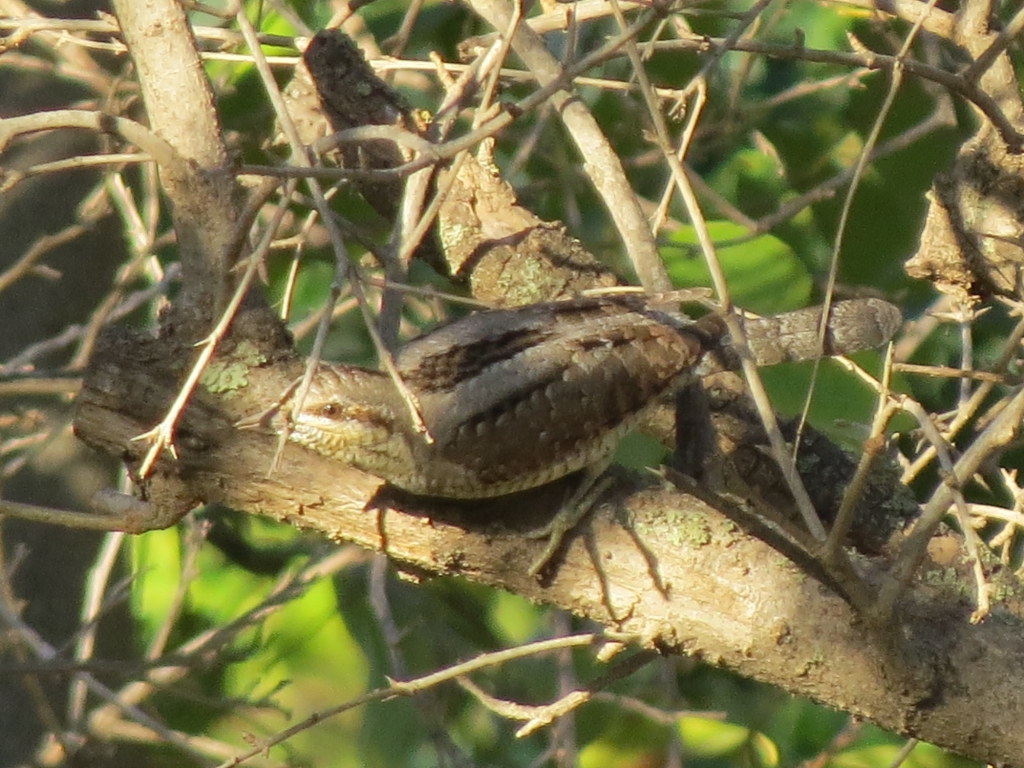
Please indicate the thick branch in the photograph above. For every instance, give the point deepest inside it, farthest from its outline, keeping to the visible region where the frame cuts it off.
(600, 163)
(181, 111)
(667, 567)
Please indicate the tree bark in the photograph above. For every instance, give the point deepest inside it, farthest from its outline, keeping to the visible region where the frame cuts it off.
(656, 563)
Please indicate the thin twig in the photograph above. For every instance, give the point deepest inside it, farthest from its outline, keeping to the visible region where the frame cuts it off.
(412, 687)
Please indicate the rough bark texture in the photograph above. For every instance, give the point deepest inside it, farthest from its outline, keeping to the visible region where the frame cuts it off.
(654, 562)
(971, 243)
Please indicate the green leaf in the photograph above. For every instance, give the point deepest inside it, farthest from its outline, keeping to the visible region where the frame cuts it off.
(764, 275)
(711, 738)
(922, 756)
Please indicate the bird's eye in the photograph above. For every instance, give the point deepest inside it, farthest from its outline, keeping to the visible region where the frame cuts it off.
(331, 410)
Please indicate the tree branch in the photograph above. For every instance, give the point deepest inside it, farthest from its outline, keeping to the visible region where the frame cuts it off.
(180, 107)
(659, 564)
